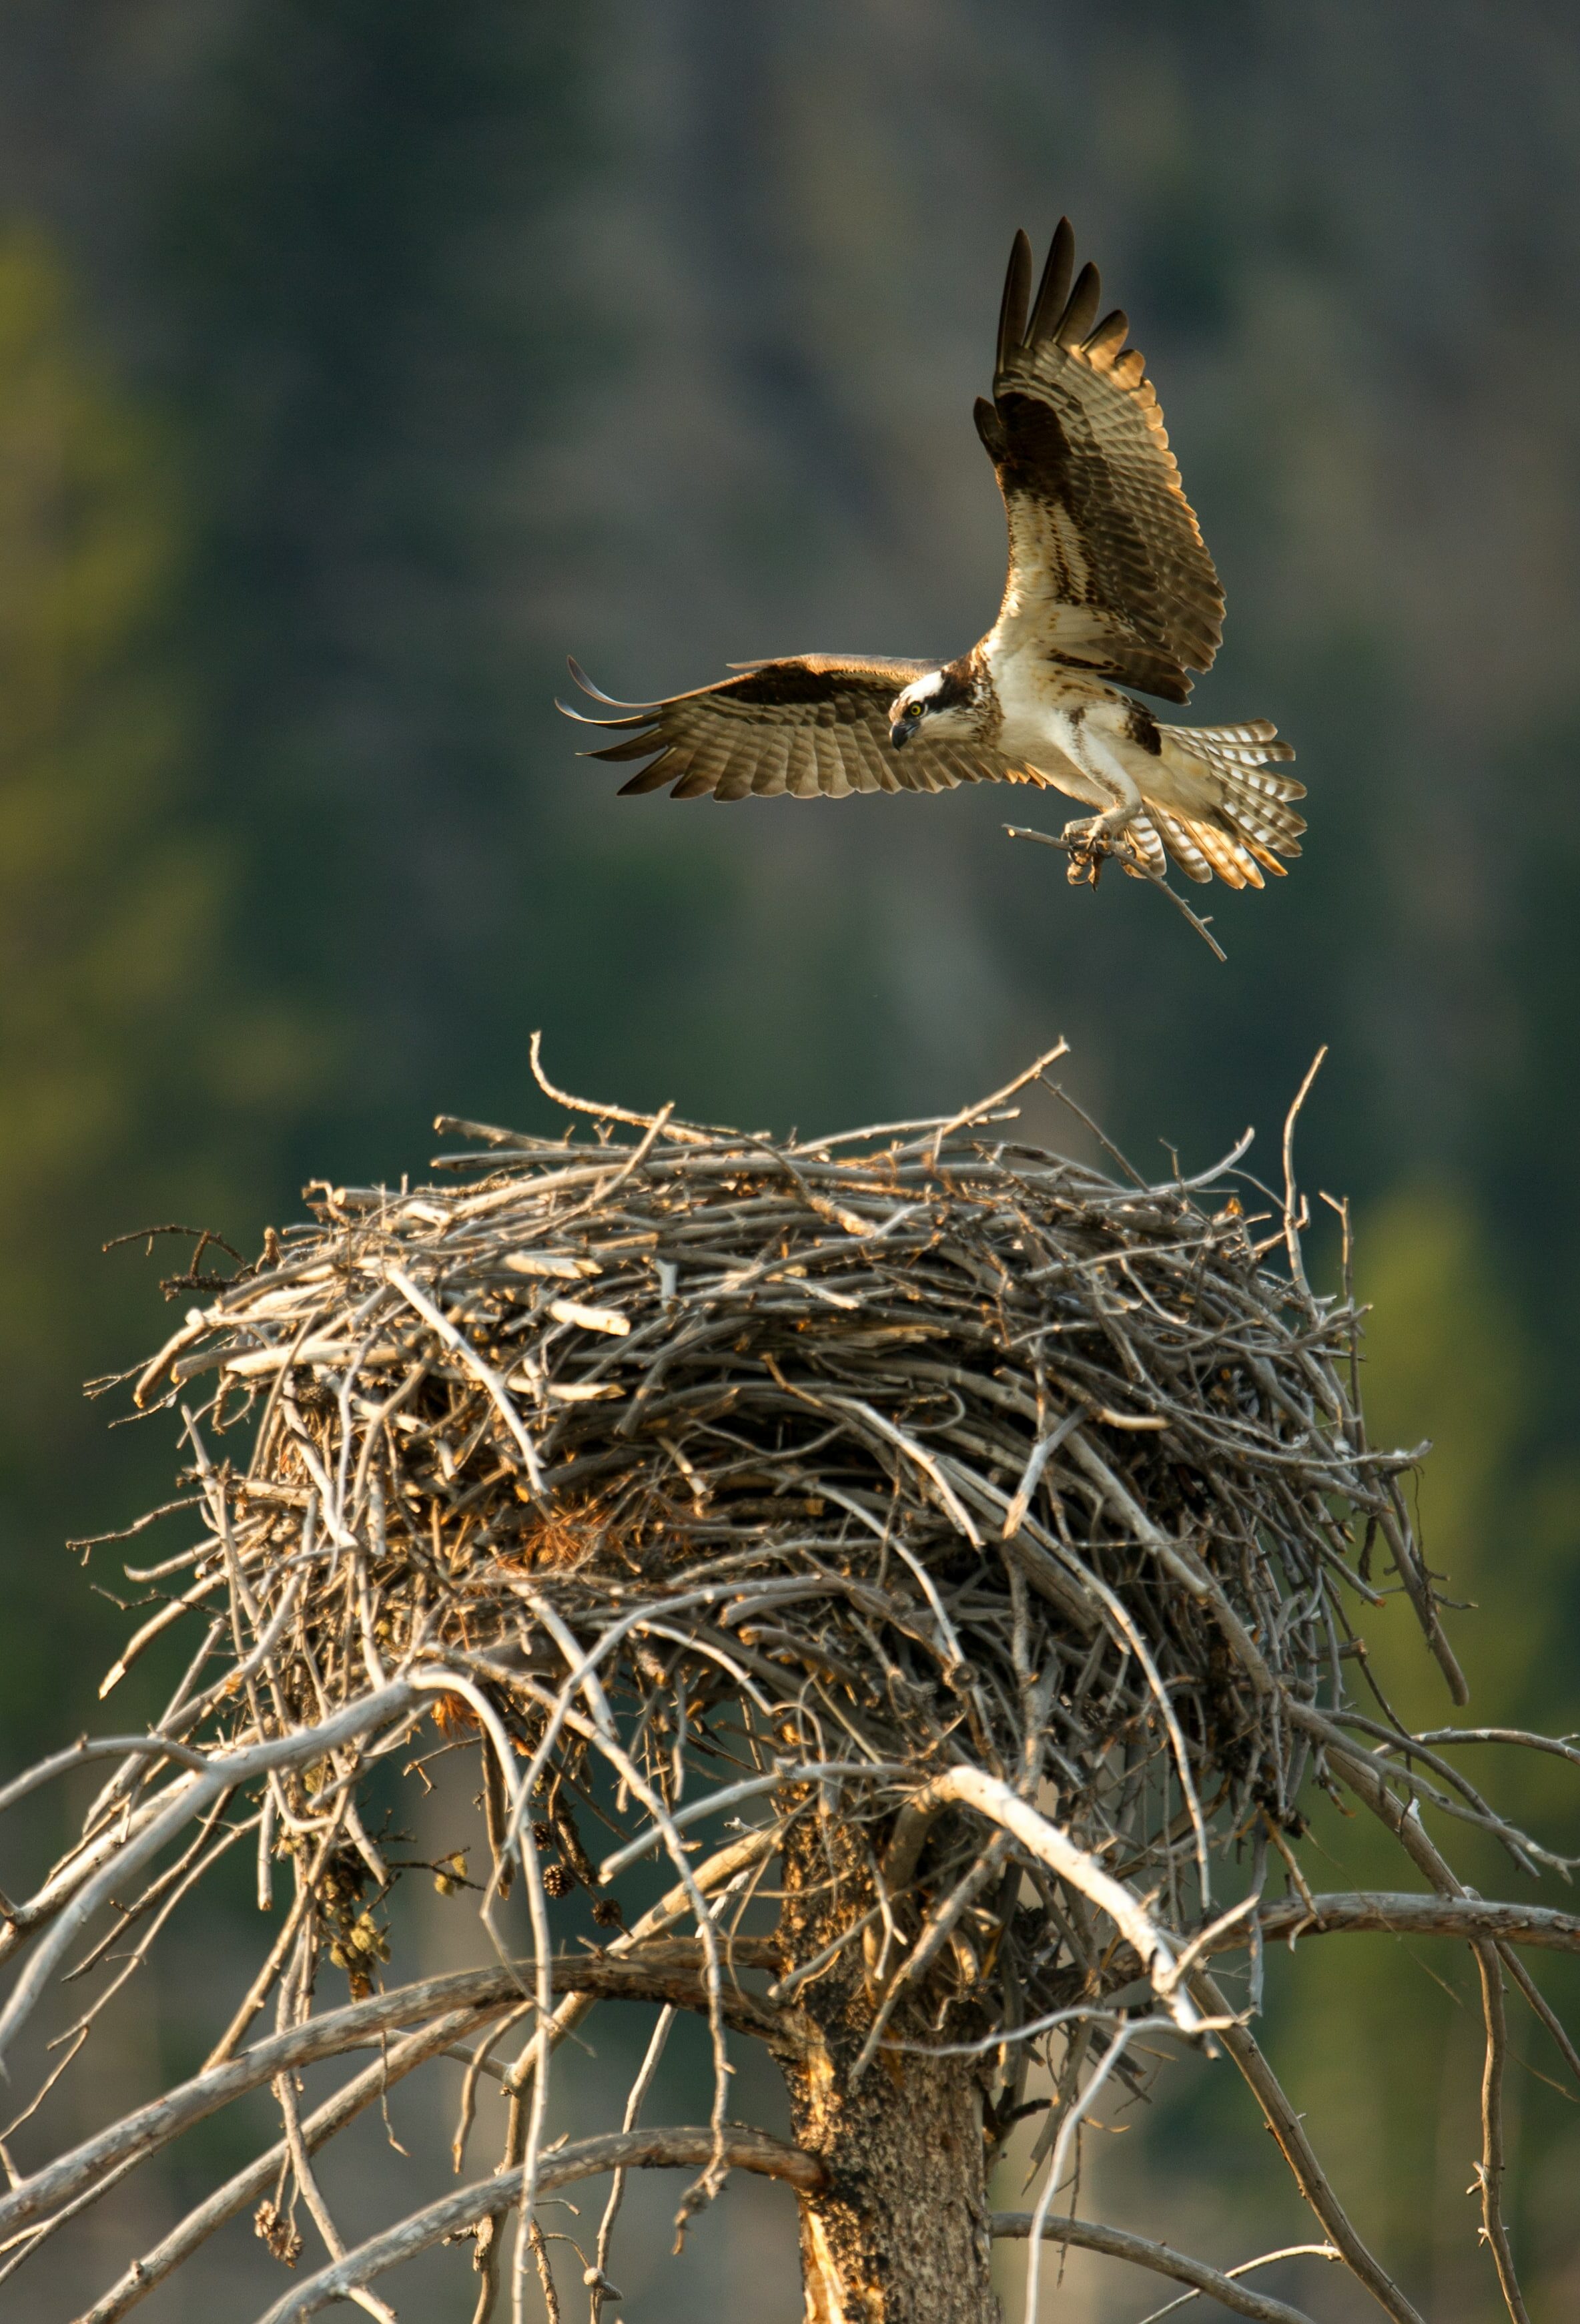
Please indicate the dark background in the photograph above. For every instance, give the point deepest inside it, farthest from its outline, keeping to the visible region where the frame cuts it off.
(358, 358)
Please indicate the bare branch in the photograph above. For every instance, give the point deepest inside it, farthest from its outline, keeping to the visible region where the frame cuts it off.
(1137, 866)
(1399, 1913)
(147, 2272)
(656, 2149)
(668, 1974)
(1117, 2243)
(1493, 2165)
(992, 1797)
(1309, 2177)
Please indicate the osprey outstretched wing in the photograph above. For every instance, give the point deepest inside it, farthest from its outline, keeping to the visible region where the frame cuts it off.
(813, 725)
(1108, 567)
(1109, 585)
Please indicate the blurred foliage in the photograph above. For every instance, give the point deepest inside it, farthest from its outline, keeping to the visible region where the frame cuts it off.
(361, 345)
(120, 1099)
(109, 916)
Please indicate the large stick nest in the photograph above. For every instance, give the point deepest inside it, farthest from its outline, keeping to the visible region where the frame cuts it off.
(893, 1451)
(969, 1533)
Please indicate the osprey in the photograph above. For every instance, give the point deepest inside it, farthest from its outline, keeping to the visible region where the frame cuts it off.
(1110, 586)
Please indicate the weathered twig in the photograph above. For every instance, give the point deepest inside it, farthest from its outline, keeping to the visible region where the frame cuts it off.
(589, 2158)
(1394, 1912)
(1134, 864)
(1117, 2243)
(1298, 2152)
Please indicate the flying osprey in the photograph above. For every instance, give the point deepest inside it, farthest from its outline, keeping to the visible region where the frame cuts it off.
(1109, 586)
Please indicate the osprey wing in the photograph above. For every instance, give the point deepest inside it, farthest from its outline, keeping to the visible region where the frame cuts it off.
(1107, 562)
(815, 725)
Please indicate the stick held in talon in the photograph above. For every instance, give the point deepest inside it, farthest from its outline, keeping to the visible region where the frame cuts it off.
(1086, 856)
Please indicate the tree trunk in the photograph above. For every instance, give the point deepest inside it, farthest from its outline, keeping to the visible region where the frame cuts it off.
(901, 2234)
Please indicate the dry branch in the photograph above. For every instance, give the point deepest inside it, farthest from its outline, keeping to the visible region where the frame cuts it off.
(656, 2149)
(1115, 2243)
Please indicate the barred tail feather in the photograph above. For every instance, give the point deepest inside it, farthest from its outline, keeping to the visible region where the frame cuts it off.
(1230, 812)
(1142, 834)
(1257, 741)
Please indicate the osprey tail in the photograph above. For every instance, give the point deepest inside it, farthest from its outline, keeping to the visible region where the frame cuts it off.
(1219, 808)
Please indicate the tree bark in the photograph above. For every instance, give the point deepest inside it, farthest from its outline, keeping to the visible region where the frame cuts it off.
(901, 2234)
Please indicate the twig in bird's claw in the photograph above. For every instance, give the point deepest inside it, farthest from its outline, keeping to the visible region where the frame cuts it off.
(1132, 862)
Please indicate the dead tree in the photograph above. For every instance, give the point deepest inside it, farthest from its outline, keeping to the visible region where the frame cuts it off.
(945, 1557)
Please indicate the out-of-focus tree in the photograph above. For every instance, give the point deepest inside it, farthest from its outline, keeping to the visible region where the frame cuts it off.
(358, 253)
(125, 1094)
(107, 904)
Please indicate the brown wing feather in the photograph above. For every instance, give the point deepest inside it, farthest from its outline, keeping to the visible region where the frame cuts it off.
(1106, 555)
(815, 724)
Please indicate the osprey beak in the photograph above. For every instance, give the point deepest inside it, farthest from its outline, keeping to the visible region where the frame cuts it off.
(902, 729)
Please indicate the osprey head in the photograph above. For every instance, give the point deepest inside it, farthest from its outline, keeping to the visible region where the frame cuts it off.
(943, 700)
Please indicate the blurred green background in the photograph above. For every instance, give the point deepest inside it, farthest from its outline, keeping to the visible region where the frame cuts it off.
(358, 358)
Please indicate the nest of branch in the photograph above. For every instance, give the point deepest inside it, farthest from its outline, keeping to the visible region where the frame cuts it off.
(736, 1463)
(970, 1533)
